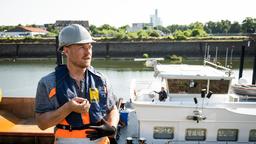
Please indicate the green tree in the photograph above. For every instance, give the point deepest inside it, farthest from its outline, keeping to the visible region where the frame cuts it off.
(176, 27)
(132, 35)
(172, 28)
(146, 27)
(121, 35)
(153, 33)
(210, 27)
(179, 35)
(163, 29)
(93, 29)
(142, 34)
(124, 28)
(218, 28)
(198, 33)
(196, 25)
(52, 29)
(107, 27)
(187, 33)
(197, 29)
(235, 28)
(6, 28)
(226, 24)
(249, 25)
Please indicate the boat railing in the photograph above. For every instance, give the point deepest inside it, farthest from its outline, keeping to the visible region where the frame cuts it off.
(216, 65)
(228, 70)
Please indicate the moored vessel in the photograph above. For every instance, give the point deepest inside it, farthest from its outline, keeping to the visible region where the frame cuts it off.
(199, 106)
(245, 90)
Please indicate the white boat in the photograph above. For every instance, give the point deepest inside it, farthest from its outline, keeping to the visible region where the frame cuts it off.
(199, 107)
(245, 90)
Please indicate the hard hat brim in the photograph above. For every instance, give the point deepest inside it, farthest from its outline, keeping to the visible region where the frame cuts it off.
(84, 42)
(80, 42)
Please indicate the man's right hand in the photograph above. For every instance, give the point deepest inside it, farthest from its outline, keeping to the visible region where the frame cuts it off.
(79, 105)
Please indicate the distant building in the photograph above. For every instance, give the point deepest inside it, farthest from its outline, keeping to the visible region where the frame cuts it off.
(155, 20)
(21, 31)
(62, 23)
(138, 26)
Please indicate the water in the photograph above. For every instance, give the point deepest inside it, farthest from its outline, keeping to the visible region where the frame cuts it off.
(20, 78)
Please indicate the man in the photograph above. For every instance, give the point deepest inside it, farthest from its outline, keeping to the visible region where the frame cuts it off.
(75, 98)
(162, 94)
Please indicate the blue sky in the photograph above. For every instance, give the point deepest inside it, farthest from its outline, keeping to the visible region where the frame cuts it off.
(122, 12)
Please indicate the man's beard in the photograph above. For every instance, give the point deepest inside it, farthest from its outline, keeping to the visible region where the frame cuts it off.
(83, 64)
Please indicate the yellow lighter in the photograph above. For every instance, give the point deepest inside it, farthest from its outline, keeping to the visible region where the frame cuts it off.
(94, 95)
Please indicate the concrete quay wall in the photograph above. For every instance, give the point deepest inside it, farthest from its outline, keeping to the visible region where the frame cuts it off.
(127, 49)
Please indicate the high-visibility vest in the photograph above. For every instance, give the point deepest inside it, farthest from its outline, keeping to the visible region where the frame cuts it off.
(95, 93)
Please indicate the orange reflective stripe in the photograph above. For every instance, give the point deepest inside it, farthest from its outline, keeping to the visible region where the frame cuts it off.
(52, 92)
(64, 122)
(104, 140)
(74, 133)
(61, 133)
(86, 118)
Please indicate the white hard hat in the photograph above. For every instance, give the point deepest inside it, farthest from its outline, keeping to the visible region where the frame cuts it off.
(74, 34)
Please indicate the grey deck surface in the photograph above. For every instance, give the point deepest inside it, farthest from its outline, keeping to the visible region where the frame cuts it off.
(131, 130)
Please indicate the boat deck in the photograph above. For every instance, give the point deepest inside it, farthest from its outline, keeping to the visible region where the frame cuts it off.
(131, 129)
(11, 125)
(16, 124)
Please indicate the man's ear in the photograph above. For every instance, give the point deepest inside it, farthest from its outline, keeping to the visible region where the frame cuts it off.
(65, 50)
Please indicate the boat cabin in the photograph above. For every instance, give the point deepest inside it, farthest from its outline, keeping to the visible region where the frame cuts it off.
(187, 79)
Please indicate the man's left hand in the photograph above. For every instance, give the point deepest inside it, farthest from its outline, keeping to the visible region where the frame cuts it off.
(100, 131)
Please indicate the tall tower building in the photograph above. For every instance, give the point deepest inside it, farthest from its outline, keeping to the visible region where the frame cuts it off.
(155, 20)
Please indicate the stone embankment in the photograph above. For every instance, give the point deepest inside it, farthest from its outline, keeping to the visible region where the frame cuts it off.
(46, 48)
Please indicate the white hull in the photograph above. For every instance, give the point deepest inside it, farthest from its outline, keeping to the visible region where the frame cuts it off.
(175, 115)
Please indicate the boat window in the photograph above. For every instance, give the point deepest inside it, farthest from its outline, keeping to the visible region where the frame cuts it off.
(195, 134)
(227, 135)
(252, 136)
(186, 85)
(163, 133)
(219, 86)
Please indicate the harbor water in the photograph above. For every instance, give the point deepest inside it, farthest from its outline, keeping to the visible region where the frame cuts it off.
(20, 78)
